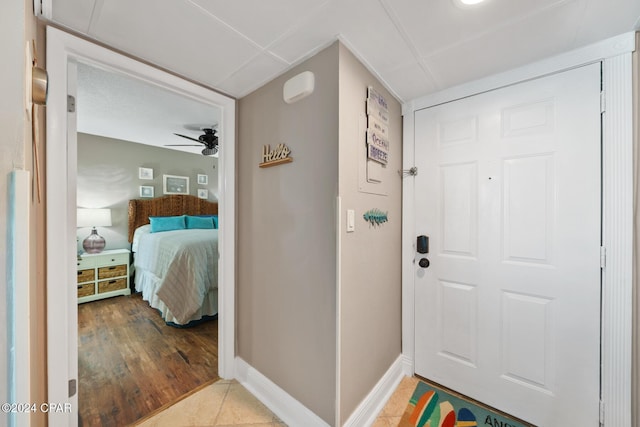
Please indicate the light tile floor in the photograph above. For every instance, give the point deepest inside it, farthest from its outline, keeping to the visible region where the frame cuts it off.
(229, 404)
(396, 405)
(223, 403)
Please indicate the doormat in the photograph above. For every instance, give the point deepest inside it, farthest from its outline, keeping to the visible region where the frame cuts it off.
(431, 406)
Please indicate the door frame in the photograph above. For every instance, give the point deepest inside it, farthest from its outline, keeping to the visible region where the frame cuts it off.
(63, 50)
(617, 208)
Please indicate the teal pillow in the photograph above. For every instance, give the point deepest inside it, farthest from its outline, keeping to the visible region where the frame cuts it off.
(199, 222)
(214, 217)
(166, 223)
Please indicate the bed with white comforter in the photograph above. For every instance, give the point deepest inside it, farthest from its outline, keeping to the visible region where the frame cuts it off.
(177, 272)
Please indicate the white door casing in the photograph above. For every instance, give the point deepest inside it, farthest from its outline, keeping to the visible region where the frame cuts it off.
(63, 52)
(509, 196)
(615, 54)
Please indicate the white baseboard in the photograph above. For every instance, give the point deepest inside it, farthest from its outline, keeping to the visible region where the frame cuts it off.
(368, 410)
(407, 365)
(288, 409)
(294, 413)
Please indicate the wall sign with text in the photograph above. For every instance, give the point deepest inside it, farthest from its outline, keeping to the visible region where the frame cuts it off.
(276, 156)
(377, 127)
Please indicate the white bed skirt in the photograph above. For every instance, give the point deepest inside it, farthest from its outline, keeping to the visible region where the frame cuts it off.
(148, 283)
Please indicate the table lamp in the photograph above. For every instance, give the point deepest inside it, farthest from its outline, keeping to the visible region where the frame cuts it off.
(94, 243)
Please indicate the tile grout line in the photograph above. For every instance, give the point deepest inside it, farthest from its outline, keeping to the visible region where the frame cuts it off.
(224, 399)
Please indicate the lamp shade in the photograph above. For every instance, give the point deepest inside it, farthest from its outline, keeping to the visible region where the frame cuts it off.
(93, 218)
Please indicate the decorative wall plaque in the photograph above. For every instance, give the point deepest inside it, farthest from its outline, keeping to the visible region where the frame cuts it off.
(277, 156)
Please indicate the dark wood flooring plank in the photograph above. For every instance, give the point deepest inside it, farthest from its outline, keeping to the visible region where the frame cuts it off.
(130, 363)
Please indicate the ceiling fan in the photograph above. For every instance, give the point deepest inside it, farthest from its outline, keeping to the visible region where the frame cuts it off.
(209, 139)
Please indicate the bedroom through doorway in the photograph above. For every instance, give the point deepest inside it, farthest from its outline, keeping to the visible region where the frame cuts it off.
(132, 136)
(110, 184)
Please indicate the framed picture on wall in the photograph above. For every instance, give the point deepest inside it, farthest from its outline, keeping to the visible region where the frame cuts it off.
(203, 179)
(203, 193)
(145, 173)
(174, 184)
(146, 191)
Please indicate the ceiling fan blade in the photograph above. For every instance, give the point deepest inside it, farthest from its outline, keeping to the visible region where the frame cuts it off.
(188, 137)
(181, 145)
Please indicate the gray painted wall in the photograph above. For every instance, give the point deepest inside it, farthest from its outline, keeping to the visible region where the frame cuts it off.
(286, 283)
(287, 244)
(370, 278)
(108, 178)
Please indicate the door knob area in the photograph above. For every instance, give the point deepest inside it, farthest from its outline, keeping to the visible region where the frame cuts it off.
(424, 263)
(422, 244)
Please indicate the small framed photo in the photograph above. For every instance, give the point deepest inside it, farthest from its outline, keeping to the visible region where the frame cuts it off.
(146, 191)
(203, 193)
(174, 184)
(203, 179)
(145, 173)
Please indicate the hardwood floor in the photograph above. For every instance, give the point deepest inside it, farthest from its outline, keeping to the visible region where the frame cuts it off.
(130, 363)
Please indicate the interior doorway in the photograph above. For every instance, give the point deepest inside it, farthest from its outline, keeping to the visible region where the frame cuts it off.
(130, 361)
(64, 53)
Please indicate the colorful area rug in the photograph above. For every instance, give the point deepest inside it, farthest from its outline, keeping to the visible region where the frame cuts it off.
(433, 407)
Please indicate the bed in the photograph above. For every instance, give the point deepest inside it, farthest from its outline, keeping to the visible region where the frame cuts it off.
(176, 270)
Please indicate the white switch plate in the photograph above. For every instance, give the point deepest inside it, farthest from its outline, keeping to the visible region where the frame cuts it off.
(351, 221)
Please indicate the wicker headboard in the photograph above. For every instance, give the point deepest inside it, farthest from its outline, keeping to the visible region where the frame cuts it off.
(141, 209)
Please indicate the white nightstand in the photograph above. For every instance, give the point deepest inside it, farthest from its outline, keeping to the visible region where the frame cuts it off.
(103, 275)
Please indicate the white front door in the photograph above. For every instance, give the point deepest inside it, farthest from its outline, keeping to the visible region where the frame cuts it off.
(509, 193)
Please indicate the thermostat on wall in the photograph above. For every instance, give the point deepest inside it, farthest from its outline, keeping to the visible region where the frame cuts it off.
(298, 87)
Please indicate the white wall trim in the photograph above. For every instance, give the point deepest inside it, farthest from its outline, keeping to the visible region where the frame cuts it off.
(339, 220)
(617, 204)
(407, 366)
(64, 50)
(287, 408)
(408, 241)
(367, 411)
(593, 53)
(617, 293)
(60, 231)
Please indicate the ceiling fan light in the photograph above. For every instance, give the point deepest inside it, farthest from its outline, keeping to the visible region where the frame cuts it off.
(209, 151)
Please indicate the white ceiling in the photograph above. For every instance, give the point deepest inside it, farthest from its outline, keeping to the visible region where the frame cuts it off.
(415, 47)
(121, 107)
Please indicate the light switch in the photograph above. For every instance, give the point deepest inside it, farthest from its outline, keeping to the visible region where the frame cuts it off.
(351, 221)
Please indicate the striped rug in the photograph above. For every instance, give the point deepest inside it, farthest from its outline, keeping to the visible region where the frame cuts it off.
(431, 406)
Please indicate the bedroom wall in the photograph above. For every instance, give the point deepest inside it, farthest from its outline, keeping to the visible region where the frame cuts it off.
(370, 277)
(286, 272)
(108, 178)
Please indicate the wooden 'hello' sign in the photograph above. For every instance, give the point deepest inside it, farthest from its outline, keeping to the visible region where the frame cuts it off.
(277, 156)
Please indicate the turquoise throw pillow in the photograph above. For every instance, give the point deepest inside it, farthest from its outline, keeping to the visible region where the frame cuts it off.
(199, 222)
(214, 217)
(166, 223)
